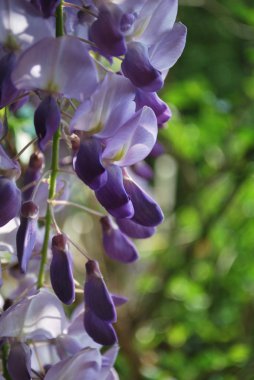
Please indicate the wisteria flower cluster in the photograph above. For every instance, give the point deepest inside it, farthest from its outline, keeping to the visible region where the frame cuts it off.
(91, 69)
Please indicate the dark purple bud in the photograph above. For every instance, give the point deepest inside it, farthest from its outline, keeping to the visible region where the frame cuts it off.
(143, 170)
(33, 173)
(48, 7)
(97, 296)
(135, 230)
(102, 332)
(137, 67)
(157, 150)
(87, 164)
(147, 211)
(61, 272)
(113, 196)
(46, 120)
(26, 234)
(10, 200)
(117, 246)
(19, 361)
(106, 31)
(8, 91)
(152, 100)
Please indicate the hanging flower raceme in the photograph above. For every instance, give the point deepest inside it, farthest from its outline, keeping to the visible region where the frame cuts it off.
(99, 307)
(146, 34)
(114, 136)
(61, 270)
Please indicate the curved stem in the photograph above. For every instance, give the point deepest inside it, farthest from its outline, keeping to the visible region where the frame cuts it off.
(54, 168)
(56, 202)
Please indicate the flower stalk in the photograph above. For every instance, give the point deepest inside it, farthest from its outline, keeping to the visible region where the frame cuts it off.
(54, 168)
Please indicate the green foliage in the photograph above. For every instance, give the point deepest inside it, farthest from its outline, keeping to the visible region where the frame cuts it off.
(194, 309)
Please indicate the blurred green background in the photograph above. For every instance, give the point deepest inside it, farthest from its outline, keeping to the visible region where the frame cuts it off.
(191, 309)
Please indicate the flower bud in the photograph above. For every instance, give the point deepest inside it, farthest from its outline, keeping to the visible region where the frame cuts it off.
(97, 296)
(26, 234)
(61, 270)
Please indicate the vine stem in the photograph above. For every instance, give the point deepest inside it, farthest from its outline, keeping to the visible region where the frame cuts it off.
(54, 168)
(5, 352)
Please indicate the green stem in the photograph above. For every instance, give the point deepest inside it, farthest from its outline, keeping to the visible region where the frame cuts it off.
(5, 353)
(54, 169)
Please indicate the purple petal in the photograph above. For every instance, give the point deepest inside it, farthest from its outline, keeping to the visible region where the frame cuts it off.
(134, 140)
(106, 31)
(61, 272)
(8, 91)
(67, 346)
(135, 230)
(21, 25)
(157, 150)
(8, 167)
(19, 361)
(108, 360)
(113, 196)
(143, 170)
(102, 332)
(159, 16)
(117, 246)
(97, 296)
(77, 331)
(110, 106)
(38, 316)
(118, 300)
(147, 211)
(137, 67)
(87, 164)
(46, 120)
(85, 364)
(10, 203)
(15, 106)
(39, 68)
(26, 234)
(168, 49)
(152, 100)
